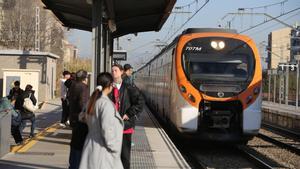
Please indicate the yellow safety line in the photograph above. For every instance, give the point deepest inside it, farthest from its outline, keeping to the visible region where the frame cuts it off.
(30, 142)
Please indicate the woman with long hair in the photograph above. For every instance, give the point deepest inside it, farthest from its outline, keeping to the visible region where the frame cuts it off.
(102, 147)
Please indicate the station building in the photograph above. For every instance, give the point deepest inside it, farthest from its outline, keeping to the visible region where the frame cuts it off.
(29, 67)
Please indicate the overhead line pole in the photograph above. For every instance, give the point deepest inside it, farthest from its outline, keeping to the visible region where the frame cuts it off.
(97, 40)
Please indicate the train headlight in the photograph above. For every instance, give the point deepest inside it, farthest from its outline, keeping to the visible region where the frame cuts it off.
(221, 45)
(217, 45)
(192, 98)
(249, 99)
(214, 44)
(182, 89)
(256, 90)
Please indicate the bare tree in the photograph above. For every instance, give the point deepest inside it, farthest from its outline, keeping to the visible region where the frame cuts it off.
(18, 27)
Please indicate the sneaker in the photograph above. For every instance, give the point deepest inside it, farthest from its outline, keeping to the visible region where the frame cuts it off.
(67, 123)
(19, 143)
(62, 124)
(31, 135)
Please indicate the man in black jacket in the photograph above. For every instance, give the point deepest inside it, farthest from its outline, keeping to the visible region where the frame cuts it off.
(129, 102)
(78, 97)
(15, 92)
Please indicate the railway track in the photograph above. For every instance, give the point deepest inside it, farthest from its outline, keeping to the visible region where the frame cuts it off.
(282, 131)
(253, 157)
(211, 156)
(281, 144)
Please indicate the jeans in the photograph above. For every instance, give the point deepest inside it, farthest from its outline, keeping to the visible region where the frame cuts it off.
(15, 131)
(65, 111)
(33, 124)
(74, 158)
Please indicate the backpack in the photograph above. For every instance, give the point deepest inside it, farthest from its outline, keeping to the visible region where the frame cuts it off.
(28, 104)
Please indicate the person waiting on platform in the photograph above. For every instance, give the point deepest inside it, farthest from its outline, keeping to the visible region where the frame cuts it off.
(102, 147)
(25, 113)
(15, 92)
(129, 102)
(63, 95)
(78, 97)
(127, 75)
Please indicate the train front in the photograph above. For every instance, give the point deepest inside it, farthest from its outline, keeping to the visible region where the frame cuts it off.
(220, 75)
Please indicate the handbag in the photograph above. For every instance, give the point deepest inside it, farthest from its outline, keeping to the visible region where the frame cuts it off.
(28, 105)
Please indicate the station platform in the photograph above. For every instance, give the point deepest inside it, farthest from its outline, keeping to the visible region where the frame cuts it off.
(281, 115)
(152, 149)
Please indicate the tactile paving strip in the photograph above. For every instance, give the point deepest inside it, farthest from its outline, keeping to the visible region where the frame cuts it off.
(141, 153)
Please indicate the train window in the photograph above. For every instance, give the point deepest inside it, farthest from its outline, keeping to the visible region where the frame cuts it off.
(204, 64)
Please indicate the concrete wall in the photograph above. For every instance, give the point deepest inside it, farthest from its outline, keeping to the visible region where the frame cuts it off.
(282, 119)
(51, 78)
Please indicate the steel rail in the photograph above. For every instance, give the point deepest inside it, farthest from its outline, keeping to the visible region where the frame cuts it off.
(290, 148)
(280, 130)
(253, 158)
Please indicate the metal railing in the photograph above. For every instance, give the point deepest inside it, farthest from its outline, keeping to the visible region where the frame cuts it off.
(282, 86)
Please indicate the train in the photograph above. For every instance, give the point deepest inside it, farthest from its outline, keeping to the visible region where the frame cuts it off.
(206, 84)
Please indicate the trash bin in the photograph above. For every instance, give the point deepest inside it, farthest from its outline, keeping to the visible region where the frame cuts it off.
(5, 126)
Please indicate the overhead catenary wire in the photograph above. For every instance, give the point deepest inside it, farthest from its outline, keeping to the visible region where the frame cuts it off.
(260, 31)
(266, 6)
(264, 22)
(206, 2)
(187, 5)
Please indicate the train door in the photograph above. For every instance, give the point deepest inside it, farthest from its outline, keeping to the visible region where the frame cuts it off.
(172, 84)
(166, 84)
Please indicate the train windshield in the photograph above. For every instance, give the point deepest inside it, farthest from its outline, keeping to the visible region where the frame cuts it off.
(218, 60)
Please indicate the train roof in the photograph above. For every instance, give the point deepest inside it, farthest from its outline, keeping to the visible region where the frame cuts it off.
(202, 30)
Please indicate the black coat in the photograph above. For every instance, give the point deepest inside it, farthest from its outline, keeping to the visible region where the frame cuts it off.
(131, 103)
(78, 97)
(14, 93)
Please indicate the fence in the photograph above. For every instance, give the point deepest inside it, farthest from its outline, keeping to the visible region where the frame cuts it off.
(281, 86)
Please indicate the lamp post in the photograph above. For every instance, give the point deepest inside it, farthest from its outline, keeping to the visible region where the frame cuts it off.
(269, 84)
(297, 58)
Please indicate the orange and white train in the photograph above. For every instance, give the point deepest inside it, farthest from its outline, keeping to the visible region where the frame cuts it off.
(206, 84)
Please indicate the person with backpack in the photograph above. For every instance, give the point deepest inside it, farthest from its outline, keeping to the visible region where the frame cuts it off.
(129, 103)
(26, 112)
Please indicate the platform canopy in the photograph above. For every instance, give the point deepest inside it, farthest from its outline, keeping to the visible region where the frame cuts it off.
(129, 16)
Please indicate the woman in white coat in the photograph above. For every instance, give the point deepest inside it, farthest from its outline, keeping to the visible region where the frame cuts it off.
(102, 147)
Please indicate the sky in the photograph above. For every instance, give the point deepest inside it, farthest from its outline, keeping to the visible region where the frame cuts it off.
(144, 46)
